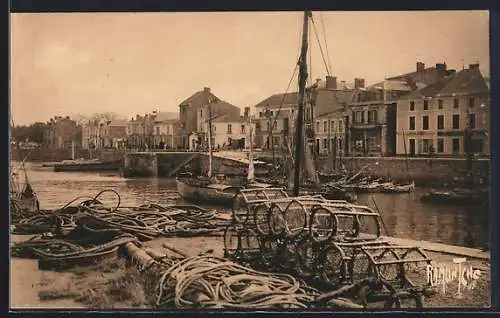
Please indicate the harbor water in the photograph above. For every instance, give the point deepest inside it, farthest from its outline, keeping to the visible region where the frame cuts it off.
(404, 215)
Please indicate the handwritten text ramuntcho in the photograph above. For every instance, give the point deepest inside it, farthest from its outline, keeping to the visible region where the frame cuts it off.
(440, 274)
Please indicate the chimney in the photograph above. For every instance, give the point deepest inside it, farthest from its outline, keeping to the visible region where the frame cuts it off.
(441, 69)
(246, 112)
(331, 82)
(359, 83)
(420, 67)
(474, 66)
(206, 89)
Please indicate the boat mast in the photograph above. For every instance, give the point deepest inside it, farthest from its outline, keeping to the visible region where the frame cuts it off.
(300, 114)
(251, 171)
(209, 139)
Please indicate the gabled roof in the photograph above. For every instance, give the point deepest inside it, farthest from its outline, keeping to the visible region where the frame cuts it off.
(427, 91)
(200, 98)
(330, 100)
(165, 116)
(392, 85)
(427, 75)
(275, 100)
(468, 81)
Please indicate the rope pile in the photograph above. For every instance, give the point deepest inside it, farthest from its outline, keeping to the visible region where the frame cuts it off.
(146, 221)
(207, 281)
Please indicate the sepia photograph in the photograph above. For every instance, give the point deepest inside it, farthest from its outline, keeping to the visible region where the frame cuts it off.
(305, 160)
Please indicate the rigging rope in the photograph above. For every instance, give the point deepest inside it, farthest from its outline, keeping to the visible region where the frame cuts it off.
(326, 42)
(320, 47)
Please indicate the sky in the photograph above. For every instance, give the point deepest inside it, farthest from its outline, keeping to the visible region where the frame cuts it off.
(134, 63)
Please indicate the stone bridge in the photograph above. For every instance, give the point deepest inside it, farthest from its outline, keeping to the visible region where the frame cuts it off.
(167, 164)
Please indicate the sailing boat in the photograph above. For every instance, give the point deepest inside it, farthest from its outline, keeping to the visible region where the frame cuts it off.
(305, 177)
(207, 189)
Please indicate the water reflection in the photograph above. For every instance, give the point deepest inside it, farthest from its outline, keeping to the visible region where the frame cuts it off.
(404, 214)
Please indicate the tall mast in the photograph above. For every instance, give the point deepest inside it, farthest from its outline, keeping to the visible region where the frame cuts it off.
(300, 114)
(251, 171)
(209, 139)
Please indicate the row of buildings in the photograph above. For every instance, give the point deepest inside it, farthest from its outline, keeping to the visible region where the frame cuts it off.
(424, 111)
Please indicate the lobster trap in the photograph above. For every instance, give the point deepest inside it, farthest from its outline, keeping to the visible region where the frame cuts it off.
(331, 241)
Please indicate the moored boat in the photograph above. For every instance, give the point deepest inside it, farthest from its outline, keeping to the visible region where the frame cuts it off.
(398, 188)
(202, 190)
(457, 196)
(23, 199)
(84, 166)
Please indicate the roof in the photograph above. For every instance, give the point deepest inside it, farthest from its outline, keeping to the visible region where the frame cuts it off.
(166, 116)
(392, 85)
(467, 81)
(200, 98)
(118, 123)
(228, 119)
(427, 76)
(331, 113)
(327, 101)
(427, 91)
(277, 99)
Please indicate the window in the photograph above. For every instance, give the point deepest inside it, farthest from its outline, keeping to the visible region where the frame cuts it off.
(340, 143)
(412, 106)
(455, 103)
(332, 125)
(372, 116)
(229, 128)
(317, 126)
(456, 122)
(260, 114)
(425, 122)
(440, 145)
(412, 123)
(325, 143)
(276, 140)
(426, 143)
(325, 126)
(472, 121)
(480, 146)
(242, 129)
(201, 112)
(157, 130)
(341, 127)
(472, 101)
(440, 122)
(168, 129)
(455, 145)
(333, 143)
(440, 104)
(426, 104)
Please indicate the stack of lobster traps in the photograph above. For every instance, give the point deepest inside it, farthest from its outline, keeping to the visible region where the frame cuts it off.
(328, 243)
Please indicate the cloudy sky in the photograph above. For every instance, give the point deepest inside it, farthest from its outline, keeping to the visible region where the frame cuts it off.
(132, 63)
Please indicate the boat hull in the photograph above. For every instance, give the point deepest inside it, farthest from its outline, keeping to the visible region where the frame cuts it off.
(454, 198)
(205, 195)
(83, 167)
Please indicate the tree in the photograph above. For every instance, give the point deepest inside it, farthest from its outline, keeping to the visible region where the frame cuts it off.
(33, 132)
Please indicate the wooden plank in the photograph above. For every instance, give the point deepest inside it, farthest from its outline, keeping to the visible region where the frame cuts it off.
(440, 248)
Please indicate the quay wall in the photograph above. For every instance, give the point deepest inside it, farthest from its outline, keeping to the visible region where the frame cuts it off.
(445, 172)
(424, 171)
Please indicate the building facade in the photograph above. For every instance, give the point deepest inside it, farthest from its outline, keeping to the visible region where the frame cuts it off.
(165, 130)
(435, 119)
(330, 132)
(62, 133)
